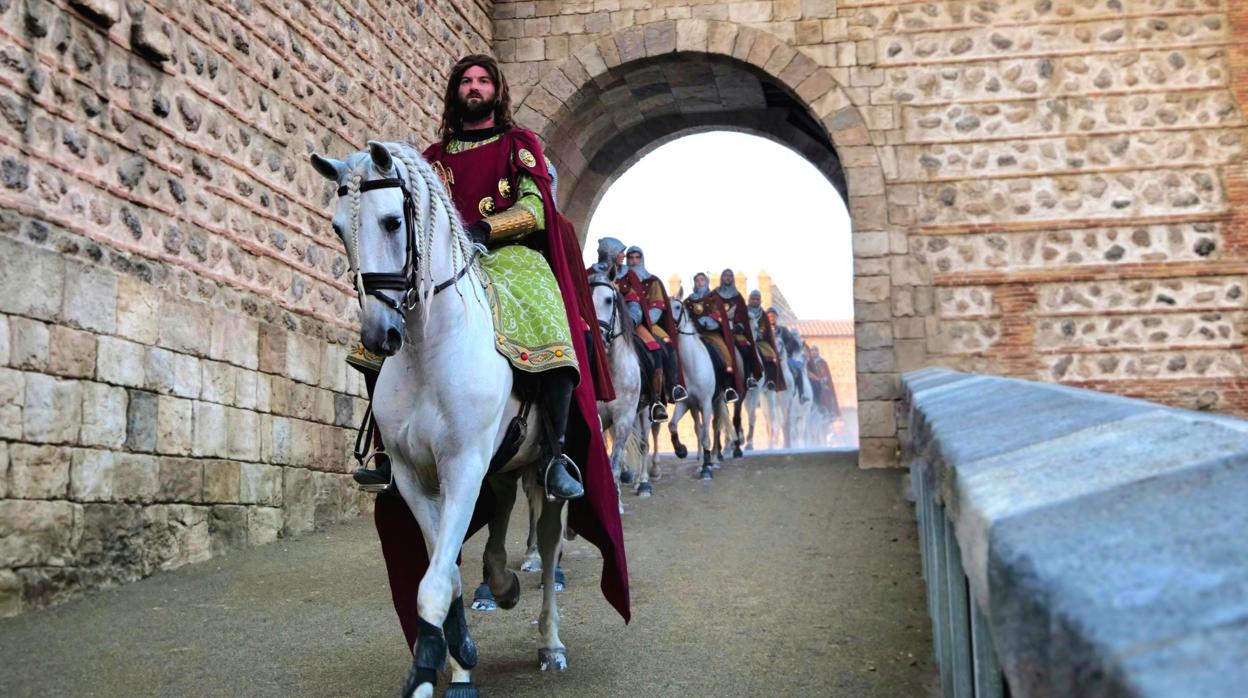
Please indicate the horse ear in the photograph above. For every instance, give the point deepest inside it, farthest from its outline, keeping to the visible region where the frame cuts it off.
(381, 156)
(329, 168)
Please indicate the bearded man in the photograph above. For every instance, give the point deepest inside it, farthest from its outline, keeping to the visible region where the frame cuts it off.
(501, 184)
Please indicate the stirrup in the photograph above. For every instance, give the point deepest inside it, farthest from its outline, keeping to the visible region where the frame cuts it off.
(679, 393)
(376, 489)
(658, 407)
(546, 475)
(730, 395)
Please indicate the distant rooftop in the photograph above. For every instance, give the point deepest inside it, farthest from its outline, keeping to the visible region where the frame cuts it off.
(825, 328)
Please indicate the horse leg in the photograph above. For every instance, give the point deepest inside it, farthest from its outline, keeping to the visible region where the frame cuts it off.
(751, 409)
(717, 427)
(677, 413)
(551, 653)
(736, 426)
(641, 433)
(655, 472)
(501, 586)
(704, 431)
(439, 600)
(620, 430)
(532, 562)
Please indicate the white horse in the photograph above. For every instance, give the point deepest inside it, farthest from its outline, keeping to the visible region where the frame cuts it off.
(704, 393)
(620, 416)
(440, 423)
(775, 404)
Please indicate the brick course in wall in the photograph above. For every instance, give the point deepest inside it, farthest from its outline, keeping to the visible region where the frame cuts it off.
(1051, 190)
(174, 306)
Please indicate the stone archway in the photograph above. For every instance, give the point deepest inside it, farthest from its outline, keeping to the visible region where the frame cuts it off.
(630, 91)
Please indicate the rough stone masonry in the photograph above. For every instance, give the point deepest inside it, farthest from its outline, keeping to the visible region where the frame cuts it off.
(1049, 189)
(175, 309)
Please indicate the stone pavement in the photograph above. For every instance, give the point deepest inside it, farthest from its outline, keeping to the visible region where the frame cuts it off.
(789, 575)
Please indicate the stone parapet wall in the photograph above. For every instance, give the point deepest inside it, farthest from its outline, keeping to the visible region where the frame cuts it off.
(1051, 190)
(174, 306)
(1076, 543)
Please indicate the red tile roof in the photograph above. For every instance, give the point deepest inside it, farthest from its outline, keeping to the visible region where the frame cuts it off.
(825, 328)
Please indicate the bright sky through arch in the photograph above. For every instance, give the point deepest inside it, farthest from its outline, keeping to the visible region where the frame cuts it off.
(726, 199)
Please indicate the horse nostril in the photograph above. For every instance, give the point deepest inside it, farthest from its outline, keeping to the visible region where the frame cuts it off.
(393, 339)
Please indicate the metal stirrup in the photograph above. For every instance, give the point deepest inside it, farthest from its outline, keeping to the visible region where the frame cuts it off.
(546, 475)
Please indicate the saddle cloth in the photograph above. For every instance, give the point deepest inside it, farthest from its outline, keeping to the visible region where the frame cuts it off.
(530, 323)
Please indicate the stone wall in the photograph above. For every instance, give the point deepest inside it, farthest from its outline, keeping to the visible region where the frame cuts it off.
(1049, 189)
(174, 310)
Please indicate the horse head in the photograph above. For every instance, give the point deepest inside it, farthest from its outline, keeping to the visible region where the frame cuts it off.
(683, 323)
(608, 308)
(373, 228)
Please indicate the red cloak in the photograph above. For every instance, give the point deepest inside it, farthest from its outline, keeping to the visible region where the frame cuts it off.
(595, 516)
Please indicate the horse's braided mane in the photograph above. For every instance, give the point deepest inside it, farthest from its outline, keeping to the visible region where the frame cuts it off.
(416, 171)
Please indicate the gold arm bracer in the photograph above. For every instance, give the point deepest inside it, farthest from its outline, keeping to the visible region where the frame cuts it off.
(515, 222)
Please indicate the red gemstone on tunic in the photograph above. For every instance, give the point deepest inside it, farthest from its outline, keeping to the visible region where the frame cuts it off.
(524, 357)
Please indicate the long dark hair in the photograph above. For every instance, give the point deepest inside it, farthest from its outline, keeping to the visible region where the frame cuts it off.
(452, 119)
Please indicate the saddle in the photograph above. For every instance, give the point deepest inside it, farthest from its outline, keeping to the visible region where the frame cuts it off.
(720, 365)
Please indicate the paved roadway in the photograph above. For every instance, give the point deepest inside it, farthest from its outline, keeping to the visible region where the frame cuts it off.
(789, 575)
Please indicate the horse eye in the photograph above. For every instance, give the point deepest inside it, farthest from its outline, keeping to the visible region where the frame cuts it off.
(337, 230)
(391, 224)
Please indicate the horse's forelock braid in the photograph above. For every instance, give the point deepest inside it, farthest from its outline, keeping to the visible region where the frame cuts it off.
(353, 191)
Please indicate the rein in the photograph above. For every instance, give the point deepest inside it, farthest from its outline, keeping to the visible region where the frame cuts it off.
(403, 281)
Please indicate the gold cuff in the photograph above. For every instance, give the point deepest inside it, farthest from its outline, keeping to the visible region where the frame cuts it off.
(514, 222)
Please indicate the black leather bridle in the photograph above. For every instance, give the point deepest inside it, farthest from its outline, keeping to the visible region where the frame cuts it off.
(608, 327)
(404, 281)
(681, 319)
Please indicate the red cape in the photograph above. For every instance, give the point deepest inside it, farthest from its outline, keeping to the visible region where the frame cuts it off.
(596, 516)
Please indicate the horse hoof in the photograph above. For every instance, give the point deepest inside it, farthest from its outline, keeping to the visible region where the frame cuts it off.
(483, 599)
(656, 473)
(706, 474)
(644, 490)
(461, 690)
(531, 564)
(552, 659)
(682, 451)
(626, 476)
(736, 452)
(509, 598)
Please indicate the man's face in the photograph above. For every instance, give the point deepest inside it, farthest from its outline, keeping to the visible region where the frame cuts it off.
(771, 317)
(700, 281)
(755, 300)
(476, 93)
(726, 278)
(619, 259)
(634, 259)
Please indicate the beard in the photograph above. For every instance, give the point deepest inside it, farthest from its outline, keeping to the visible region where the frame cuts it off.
(477, 111)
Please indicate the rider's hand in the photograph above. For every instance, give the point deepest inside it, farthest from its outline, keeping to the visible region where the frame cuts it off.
(479, 232)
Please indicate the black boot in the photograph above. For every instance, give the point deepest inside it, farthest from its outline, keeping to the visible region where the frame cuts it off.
(377, 477)
(557, 478)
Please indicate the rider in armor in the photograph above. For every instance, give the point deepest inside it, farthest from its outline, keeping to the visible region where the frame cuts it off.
(657, 308)
(739, 324)
(765, 339)
(707, 311)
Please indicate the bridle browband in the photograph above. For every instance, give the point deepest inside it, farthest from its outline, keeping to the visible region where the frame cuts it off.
(608, 328)
(403, 281)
